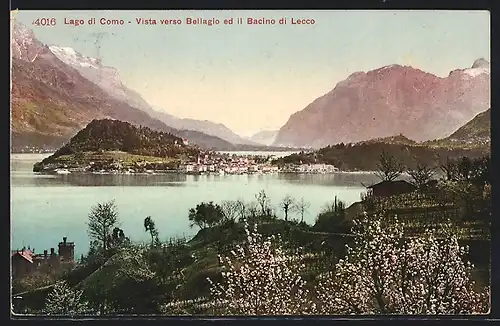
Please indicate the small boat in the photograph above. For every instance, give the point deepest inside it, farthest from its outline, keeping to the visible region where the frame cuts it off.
(62, 171)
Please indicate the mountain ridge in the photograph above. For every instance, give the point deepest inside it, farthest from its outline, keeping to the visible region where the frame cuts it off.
(51, 101)
(108, 78)
(471, 140)
(388, 101)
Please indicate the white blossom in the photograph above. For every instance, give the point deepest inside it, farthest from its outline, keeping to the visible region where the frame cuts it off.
(260, 278)
(386, 272)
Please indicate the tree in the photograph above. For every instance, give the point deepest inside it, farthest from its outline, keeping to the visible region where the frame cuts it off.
(230, 209)
(388, 168)
(263, 200)
(261, 278)
(241, 209)
(464, 169)
(149, 226)
(118, 239)
(205, 215)
(421, 175)
(386, 273)
(63, 300)
(331, 217)
(253, 209)
(302, 206)
(481, 171)
(287, 204)
(450, 169)
(466, 179)
(101, 221)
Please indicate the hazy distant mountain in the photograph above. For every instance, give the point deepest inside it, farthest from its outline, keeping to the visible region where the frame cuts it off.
(388, 101)
(264, 137)
(51, 100)
(204, 126)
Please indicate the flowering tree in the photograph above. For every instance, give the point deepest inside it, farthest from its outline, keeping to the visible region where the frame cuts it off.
(260, 278)
(388, 273)
(63, 300)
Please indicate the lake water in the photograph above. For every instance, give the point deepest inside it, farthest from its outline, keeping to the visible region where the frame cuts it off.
(46, 208)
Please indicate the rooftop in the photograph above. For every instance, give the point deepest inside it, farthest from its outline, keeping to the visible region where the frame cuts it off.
(26, 254)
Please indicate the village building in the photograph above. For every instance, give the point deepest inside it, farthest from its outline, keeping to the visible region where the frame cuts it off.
(26, 261)
(391, 188)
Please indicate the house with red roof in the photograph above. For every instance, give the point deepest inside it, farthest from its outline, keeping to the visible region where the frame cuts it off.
(26, 261)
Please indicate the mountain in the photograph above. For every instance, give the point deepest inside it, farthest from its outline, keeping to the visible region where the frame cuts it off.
(51, 101)
(109, 80)
(389, 101)
(264, 137)
(204, 126)
(105, 77)
(475, 132)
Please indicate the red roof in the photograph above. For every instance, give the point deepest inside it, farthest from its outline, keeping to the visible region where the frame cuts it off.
(26, 254)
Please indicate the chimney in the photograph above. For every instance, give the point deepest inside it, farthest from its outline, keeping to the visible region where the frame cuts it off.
(51, 251)
(64, 240)
(45, 254)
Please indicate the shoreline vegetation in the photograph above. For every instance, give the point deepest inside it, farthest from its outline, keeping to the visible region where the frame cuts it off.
(425, 251)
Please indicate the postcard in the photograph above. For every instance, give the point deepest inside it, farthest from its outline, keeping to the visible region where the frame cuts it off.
(250, 163)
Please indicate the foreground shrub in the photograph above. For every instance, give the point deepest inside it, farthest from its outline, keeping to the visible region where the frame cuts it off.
(387, 273)
(260, 278)
(65, 301)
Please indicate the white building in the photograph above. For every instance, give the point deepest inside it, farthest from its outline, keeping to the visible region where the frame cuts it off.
(189, 168)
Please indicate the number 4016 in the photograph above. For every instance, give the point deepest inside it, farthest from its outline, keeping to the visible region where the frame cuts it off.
(44, 22)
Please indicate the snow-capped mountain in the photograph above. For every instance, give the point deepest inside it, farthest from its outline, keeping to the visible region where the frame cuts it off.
(105, 77)
(480, 66)
(51, 100)
(109, 80)
(71, 57)
(391, 100)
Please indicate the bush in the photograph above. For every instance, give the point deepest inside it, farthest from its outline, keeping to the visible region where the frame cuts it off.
(386, 273)
(260, 278)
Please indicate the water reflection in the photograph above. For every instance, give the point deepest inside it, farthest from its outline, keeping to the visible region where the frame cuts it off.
(333, 179)
(26, 178)
(99, 180)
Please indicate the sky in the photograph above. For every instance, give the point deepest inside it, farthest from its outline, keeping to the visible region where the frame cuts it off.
(253, 77)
